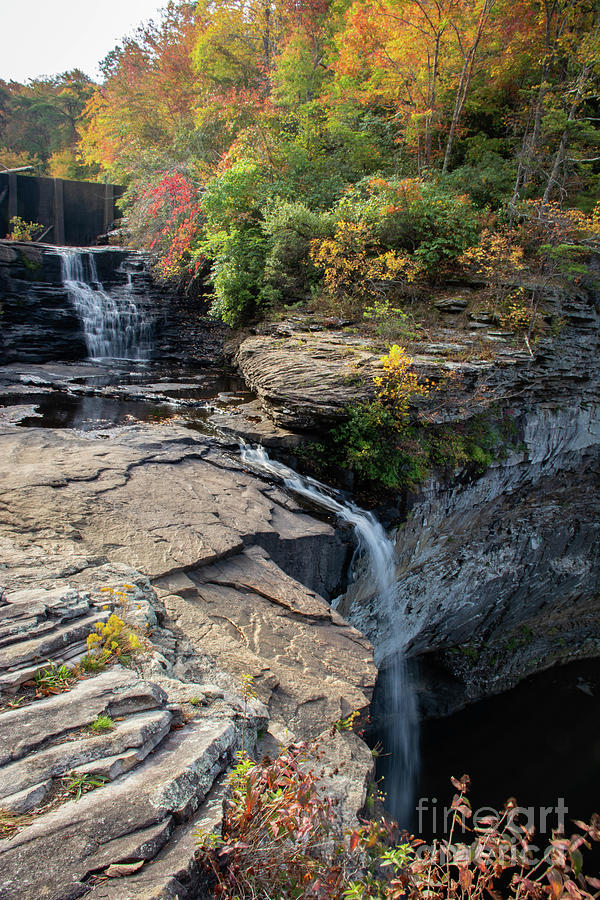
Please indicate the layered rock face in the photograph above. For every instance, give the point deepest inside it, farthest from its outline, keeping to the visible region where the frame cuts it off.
(501, 568)
(202, 558)
(40, 324)
(506, 567)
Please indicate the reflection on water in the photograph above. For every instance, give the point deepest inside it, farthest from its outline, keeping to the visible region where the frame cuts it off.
(91, 413)
(192, 394)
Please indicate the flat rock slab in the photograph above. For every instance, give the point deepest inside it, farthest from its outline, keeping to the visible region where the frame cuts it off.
(127, 820)
(127, 744)
(310, 666)
(306, 380)
(174, 874)
(157, 499)
(116, 692)
(250, 422)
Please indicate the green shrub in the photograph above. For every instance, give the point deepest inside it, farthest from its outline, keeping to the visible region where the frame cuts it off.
(237, 273)
(432, 223)
(235, 242)
(370, 444)
(290, 227)
(235, 197)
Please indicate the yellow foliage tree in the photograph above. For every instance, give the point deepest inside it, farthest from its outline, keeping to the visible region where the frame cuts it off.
(399, 385)
(354, 270)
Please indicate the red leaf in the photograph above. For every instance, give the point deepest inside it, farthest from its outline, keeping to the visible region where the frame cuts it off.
(556, 884)
(354, 840)
(465, 876)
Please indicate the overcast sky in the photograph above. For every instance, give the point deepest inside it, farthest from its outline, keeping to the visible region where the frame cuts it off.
(45, 37)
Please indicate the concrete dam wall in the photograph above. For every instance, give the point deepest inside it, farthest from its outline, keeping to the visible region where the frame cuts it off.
(73, 213)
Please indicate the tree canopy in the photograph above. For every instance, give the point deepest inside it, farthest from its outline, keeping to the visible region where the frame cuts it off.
(240, 126)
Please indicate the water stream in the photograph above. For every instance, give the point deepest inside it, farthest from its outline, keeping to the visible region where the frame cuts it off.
(377, 550)
(114, 325)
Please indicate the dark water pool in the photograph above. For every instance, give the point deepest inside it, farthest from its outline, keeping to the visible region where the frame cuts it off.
(92, 413)
(539, 743)
(146, 397)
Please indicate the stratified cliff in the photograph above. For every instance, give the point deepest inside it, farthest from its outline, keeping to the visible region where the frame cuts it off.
(498, 572)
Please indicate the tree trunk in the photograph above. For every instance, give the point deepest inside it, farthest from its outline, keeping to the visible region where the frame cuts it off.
(465, 80)
(559, 157)
(431, 99)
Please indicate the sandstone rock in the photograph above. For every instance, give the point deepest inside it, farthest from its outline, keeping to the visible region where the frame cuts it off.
(127, 745)
(47, 646)
(251, 423)
(174, 873)
(127, 820)
(345, 768)
(309, 666)
(307, 380)
(451, 304)
(115, 692)
(81, 494)
(76, 508)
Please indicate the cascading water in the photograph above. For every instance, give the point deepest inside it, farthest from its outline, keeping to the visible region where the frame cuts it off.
(402, 719)
(114, 326)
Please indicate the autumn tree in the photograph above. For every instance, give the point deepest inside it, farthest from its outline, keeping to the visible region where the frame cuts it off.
(565, 93)
(39, 122)
(146, 103)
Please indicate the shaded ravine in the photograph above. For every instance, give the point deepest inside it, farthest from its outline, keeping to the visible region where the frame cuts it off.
(373, 561)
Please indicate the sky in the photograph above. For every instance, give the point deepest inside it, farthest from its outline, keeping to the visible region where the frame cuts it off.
(45, 37)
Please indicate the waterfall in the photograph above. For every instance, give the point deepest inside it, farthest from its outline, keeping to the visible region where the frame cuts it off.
(373, 545)
(113, 324)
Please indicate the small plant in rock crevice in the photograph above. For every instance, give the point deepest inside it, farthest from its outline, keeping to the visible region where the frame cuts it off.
(112, 639)
(102, 723)
(54, 679)
(78, 783)
(347, 723)
(248, 693)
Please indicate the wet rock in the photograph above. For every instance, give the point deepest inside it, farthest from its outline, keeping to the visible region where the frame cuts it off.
(85, 494)
(251, 423)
